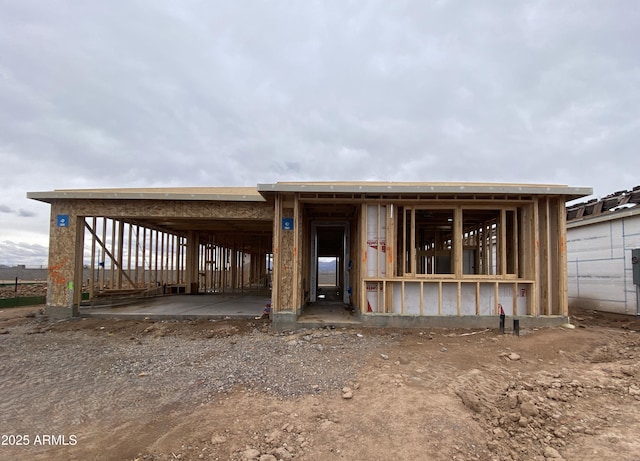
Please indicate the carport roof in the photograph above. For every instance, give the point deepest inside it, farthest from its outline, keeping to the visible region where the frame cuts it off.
(231, 194)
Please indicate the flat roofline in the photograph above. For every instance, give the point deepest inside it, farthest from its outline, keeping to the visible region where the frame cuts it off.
(469, 188)
(253, 194)
(228, 194)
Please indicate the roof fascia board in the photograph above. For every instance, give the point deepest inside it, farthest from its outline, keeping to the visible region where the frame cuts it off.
(429, 188)
(113, 195)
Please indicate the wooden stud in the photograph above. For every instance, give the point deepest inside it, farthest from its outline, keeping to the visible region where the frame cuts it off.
(93, 258)
(144, 256)
(562, 257)
(515, 245)
(363, 258)
(277, 218)
(174, 267)
(242, 265)
(162, 258)
(137, 255)
(546, 257)
(117, 252)
(388, 253)
(297, 301)
(115, 263)
(79, 222)
(479, 260)
(234, 266)
(413, 255)
(155, 259)
(457, 243)
(378, 274)
(130, 229)
(535, 258)
(167, 240)
(485, 252)
(502, 242)
(226, 266)
(490, 244)
(113, 258)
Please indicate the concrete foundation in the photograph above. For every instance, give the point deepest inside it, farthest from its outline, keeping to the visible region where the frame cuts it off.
(60, 313)
(289, 321)
(284, 321)
(400, 321)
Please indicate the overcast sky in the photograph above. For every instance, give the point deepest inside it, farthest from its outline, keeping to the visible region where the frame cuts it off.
(129, 93)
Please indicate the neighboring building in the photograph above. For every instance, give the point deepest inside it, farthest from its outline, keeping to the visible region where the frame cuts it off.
(603, 247)
(405, 254)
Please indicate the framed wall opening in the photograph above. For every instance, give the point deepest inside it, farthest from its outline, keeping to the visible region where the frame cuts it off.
(329, 262)
(426, 237)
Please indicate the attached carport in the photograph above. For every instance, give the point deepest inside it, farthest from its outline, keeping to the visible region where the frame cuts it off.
(111, 247)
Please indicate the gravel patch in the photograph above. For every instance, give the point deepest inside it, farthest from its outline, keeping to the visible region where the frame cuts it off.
(283, 364)
(113, 372)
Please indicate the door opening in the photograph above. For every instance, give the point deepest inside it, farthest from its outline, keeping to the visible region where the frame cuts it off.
(329, 262)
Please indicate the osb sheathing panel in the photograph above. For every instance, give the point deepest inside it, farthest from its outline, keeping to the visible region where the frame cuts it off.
(299, 251)
(159, 209)
(288, 266)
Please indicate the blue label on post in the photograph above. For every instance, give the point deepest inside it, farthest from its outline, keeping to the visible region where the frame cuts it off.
(287, 223)
(62, 220)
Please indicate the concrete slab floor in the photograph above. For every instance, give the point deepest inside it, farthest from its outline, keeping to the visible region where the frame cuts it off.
(217, 306)
(185, 307)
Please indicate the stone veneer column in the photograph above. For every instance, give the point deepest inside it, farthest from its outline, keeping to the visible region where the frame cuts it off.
(66, 236)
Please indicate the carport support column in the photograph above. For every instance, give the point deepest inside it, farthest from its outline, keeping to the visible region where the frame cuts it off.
(284, 263)
(191, 263)
(66, 241)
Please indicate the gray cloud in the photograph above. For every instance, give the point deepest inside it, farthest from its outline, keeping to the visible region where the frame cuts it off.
(29, 254)
(25, 213)
(20, 212)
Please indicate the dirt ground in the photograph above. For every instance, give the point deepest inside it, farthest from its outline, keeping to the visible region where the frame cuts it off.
(235, 390)
(23, 289)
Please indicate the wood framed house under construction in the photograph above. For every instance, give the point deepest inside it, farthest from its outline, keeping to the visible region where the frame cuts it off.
(398, 254)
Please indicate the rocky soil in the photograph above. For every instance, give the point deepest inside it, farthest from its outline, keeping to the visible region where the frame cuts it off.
(236, 390)
(23, 290)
